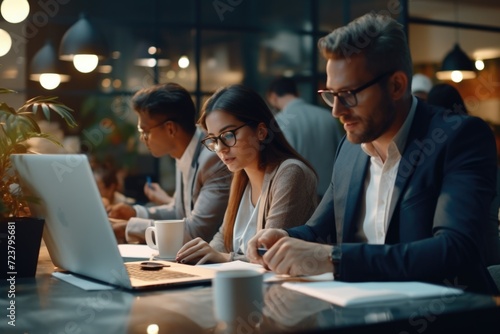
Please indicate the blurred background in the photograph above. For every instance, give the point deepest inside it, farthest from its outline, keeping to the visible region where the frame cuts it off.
(205, 44)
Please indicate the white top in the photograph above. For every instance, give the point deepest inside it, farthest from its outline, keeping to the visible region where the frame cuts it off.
(183, 165)
(245, 225)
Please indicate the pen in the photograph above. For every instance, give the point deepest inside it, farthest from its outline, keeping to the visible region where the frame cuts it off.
(148, 181)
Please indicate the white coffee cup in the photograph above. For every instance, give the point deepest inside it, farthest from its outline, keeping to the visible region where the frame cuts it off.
(169, 237)
(238, 297)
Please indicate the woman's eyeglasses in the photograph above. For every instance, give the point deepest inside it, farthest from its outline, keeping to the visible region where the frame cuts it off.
(228, 138)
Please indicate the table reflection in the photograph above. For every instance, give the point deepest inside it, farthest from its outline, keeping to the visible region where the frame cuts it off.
(45, 304)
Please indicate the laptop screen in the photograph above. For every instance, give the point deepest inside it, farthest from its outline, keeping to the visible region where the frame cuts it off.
(77, 231)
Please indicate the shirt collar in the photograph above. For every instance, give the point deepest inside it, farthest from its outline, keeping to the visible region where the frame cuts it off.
(187, 157)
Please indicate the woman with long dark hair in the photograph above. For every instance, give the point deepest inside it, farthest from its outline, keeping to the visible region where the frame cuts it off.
(272, 186)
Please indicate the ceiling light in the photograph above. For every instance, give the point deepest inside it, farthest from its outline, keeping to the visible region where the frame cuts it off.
(46, 68)
(183, 62)
(5, 42)
(148, 54)
(83, 45)
(479, 64)
(456, 66)
(15, 11)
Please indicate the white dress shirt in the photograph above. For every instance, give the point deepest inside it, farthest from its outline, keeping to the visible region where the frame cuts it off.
(379, 183)
(182, 165)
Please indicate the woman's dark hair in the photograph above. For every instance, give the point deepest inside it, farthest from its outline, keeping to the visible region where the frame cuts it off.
(248, 107)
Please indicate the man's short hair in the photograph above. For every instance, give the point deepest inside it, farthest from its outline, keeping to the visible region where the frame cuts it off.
(380, 38)
(169, 101)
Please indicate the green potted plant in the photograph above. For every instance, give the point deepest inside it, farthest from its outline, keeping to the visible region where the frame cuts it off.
(20, 234)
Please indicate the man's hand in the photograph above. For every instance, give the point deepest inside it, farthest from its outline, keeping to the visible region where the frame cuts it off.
(296, 257)
(121, 211)
(264, 238)
(119, 227)
(156, 194)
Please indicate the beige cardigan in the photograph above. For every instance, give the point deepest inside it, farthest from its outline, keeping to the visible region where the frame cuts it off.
(288, 199)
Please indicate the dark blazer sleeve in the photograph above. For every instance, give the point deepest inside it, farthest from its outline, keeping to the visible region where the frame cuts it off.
(317, 229)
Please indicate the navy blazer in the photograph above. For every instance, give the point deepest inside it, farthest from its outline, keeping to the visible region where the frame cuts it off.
(439, 208)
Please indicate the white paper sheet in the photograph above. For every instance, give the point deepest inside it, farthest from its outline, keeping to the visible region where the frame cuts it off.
(350, 294)
(136, 252)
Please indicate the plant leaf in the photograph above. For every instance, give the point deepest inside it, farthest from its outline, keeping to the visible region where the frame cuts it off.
(46, 111)
(6, 91)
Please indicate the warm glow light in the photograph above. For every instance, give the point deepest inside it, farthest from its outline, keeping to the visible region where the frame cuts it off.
(171, 74)
(85, 63)
(50, 80)
(5, 42)
(183, 62)
(456, 76)
(15, 11)
(153, 329)
(106, 69)
(479, 65)
(106, 83)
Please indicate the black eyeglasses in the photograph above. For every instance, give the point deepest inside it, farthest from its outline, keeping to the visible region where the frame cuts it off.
(228, 138)
(145, 134)
(348, 97)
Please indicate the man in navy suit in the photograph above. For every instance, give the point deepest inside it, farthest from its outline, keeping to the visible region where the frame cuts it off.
(411, 186)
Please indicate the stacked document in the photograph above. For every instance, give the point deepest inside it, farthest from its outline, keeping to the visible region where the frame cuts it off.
(351, 294)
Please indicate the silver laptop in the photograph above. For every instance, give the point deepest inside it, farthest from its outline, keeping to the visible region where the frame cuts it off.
(78, 234)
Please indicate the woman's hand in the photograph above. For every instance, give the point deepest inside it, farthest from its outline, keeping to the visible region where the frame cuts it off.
(199, 251)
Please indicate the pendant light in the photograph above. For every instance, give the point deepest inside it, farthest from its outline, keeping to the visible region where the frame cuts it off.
(150, 54)
(456, 65)
(46, 67)
(84, 45)
(15, 11)
(5, 42)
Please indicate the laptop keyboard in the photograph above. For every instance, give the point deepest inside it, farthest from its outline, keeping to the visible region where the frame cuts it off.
(135, 271)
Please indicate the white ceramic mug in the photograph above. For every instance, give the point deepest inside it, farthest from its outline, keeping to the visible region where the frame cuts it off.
(169, 237)
(238, 297)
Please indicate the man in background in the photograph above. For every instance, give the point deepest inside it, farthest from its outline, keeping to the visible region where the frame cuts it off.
(311, 130)
(421, 85)
(167, 126)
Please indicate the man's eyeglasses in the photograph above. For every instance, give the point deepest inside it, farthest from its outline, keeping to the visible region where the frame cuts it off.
(348, 97)
(145, 134)
(228, 138)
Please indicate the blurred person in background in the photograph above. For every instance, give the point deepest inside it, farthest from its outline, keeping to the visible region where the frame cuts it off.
(311, 131)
